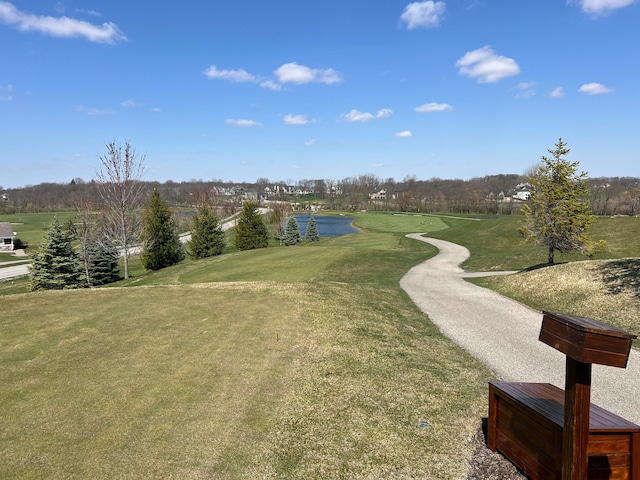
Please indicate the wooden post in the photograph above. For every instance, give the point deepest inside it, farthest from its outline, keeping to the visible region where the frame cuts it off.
(584, 341)
(577, 402)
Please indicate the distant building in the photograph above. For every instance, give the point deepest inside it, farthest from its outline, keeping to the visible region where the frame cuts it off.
(522, 192)
(381, 195)
(6, 237)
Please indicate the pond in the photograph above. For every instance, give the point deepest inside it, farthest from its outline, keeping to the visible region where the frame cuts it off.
(327, 225)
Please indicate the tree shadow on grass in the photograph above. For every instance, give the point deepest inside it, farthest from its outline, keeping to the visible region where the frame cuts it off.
(622, 275)
(542, 265)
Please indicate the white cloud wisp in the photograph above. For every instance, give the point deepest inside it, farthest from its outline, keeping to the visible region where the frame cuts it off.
(486, 66)
(594, 89)
(601, 7)
(242, 123)
(299, 74)
(357, 116)
(423, 14)
(433, 107)
(61, 26)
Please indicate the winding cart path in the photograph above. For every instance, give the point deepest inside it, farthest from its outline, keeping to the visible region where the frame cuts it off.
(503, 334)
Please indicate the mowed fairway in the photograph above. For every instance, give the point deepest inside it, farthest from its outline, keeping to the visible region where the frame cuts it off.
(293, 362)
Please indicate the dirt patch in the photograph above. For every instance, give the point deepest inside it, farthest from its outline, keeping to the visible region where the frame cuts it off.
(488, 465)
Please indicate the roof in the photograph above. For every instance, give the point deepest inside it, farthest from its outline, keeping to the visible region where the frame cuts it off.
(6, 231)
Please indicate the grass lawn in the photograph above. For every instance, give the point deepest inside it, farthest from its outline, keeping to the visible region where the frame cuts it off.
(286, 362)
(292, 362)
(31, 227)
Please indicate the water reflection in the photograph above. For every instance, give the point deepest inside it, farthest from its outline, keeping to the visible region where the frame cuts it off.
(327, 225)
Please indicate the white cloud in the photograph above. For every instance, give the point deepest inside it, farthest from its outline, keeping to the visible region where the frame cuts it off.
(601, 7)
(156, 110)
(286, 73)
(405, 133)
(525, 90)
(296, 119)
(93, 13)
(59, 26)
(594, 89)
(433, 107)
(231, 75)
(243, 123)
(423, 14)
(557, 92)
(130, 104)
(95, 111)
(486, 66)
(299, 74)
(357, 116)
(270, 84)
(310, 142)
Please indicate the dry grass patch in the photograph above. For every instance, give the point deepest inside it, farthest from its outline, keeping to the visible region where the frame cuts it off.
(606, 290)
(234, 380)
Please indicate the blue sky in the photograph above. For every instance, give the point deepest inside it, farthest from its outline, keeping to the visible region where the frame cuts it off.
(306, 89)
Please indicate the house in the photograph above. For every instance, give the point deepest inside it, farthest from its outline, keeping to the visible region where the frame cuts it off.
(522, 192)
(381, 195)
(6, 237)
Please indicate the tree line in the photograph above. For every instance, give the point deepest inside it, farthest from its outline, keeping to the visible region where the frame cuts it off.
(491, 194)
(557, 215)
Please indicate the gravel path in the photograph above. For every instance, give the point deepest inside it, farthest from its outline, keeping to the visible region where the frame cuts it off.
(503, 334)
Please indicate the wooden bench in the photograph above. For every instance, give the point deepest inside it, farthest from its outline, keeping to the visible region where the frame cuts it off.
(526, 425)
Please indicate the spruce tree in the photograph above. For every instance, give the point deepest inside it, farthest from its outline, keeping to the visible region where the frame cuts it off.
(291, 233)
(558, 215)
(102, 265)
(251, 231)
(161, 245)
(56, 265)
(312, 234)
(207, 236)
(99, 256)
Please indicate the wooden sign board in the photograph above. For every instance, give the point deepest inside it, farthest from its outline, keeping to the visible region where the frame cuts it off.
(586, 340)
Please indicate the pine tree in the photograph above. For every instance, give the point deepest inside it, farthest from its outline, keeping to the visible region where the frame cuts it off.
(207, 236)
(312, 234)
(557, 215)
(99, 256)
(291, 233)
(251, 231)
(56, 265)
(161, 245)
(102, 265)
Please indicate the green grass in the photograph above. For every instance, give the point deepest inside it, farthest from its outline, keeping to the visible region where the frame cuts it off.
(495, 244)
(291, 362)
(209, 391)
(285, 362)
(31, 227)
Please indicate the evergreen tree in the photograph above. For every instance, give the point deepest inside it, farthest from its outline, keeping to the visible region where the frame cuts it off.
(312, 234)
(56, 265)
(161, 245)
(101, 260)
(207, 236)
(98, 254)
(251, 231)
(557, 215)
(291, 233)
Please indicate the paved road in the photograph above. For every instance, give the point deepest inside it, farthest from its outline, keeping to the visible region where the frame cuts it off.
(503, 334)
(7, 273)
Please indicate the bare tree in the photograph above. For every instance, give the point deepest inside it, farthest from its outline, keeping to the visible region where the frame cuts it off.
(121, 191)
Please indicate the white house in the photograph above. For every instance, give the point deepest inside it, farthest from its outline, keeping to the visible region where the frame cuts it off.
(6, 237)
(522, 192)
